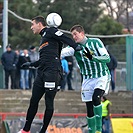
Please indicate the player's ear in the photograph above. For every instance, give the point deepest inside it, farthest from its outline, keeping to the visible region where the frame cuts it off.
(39, 23)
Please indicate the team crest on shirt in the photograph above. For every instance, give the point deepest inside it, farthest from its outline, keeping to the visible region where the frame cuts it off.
(90, 48)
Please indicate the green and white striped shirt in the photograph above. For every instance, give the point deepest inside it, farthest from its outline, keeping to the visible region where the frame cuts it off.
(91, 68)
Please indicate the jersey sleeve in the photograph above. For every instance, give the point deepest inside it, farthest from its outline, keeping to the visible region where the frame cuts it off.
(103, 55)
(102, 59)
(58, 35)
(35, 64)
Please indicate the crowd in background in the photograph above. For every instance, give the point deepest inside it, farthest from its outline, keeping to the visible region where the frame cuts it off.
(22, 77)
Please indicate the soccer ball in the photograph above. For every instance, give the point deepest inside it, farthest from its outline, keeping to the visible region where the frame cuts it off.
(53, 20)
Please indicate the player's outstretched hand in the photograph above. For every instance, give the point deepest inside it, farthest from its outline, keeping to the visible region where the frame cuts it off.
(26, 65)
(87, 53)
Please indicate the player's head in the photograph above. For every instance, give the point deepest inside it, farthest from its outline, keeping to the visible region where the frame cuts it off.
(103, 98)
(78, 33)
(38, 23)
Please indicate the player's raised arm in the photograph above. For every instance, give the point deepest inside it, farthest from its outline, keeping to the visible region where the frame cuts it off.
(100, 54)
(54, 20)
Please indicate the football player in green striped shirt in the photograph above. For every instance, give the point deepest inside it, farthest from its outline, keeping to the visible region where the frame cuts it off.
(92, 61)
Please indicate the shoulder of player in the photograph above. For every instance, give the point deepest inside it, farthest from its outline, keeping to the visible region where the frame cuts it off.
(51, 29)
(94, 39)
(54, 31)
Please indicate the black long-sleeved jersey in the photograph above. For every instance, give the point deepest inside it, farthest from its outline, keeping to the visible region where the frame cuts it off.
(50, 48)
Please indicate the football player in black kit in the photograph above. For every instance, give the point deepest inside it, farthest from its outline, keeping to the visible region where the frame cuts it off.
(49, 71)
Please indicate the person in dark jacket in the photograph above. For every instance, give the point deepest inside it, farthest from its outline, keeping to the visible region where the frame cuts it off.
(49, 71)
(9, 60)
(112, 65)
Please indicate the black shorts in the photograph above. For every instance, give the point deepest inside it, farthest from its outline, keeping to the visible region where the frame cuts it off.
(48, 79)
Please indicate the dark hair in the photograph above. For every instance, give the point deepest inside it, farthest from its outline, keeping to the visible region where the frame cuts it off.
(9, 46)
(78, 28)
(104, 98)
(39, 19)
(32, 47)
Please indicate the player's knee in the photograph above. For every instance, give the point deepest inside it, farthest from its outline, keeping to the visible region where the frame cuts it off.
(49, 106)
(96, 100)
(34, 102)
(49, 111)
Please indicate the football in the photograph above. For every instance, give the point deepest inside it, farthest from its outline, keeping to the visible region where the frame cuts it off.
(53, 20)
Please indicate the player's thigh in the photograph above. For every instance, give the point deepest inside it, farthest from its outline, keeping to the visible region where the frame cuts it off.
(87, 90)
(38, 89)
(103, 83)
(51, 78)
(49, 98)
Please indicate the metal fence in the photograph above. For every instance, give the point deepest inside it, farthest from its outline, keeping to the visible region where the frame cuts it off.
(121, 76)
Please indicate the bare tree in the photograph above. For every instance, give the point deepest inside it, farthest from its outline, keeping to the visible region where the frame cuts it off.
(119, 10)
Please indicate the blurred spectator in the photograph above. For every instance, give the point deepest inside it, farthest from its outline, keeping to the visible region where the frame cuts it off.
(9, 60)
(69, 76)
(105, 115)
(17, 72)
(65, 73)
(112, 66)
(33, 54)
(24, 71)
